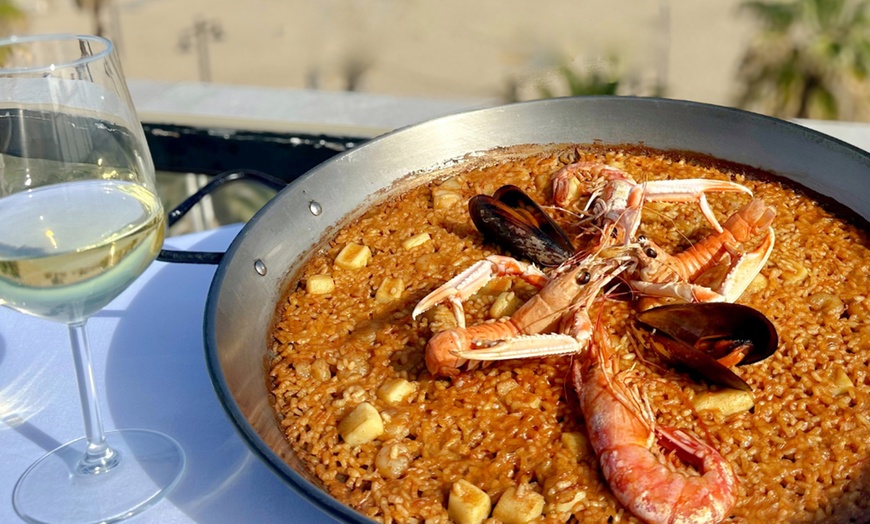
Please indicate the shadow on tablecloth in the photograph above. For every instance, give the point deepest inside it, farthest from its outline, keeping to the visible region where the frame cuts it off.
(156, 378)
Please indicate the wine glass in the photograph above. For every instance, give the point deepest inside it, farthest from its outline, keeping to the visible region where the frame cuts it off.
(80, 221)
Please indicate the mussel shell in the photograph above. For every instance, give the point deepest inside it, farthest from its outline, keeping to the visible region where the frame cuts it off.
(511, 219)
(700, 364)
(685, 324)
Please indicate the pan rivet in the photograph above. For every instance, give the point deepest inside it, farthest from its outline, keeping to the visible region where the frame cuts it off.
(260, 267)
(315, 208)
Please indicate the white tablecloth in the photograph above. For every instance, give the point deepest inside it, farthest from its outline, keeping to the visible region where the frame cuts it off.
(149, 362)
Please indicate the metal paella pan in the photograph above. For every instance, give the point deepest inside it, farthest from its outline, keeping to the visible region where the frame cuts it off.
(251, 278)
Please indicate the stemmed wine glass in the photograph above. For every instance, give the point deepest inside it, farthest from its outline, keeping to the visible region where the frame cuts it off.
(79, 221)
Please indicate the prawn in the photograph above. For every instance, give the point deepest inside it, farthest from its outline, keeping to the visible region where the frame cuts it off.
(622, 431)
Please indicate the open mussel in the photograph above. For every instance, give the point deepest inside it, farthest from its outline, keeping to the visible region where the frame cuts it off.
(511, 219)
(708, 338)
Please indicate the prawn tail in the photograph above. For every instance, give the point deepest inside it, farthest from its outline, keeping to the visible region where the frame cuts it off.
(710, 497)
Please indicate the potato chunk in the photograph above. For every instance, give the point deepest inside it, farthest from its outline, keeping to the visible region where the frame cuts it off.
(396, 390)
(727, 401)
(320, 285)
(444, 198)
(506, 386)
(758, 283)
(467, 504)
(320, 370)
(451, 183)
(519, 505)
(390, 290)
(353, 256)
(505, 305)
(362, 425)
(793, 271)
(416, 240)
(574, 190)
(497, 285)
(576, 443)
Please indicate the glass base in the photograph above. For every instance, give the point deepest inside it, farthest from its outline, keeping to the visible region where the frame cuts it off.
(55, 489)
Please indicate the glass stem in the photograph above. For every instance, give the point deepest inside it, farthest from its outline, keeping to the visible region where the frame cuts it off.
(99, 457)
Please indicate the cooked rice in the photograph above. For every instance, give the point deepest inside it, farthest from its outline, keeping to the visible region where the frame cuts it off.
(801, 454)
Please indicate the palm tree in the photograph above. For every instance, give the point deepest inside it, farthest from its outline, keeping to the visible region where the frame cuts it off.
(810, 60)
(593, 83)
(604, 78)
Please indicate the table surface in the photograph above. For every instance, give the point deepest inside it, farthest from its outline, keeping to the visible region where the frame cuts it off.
(149, 363)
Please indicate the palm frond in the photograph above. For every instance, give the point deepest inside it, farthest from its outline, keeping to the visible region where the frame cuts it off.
(775, 16)
(807, 58)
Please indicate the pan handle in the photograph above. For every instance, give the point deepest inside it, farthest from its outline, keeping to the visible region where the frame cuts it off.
(209, 257)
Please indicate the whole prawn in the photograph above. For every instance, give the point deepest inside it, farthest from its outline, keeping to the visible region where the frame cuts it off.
(622, 431)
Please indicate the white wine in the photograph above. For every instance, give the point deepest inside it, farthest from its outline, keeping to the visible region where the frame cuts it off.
(67, 250)
(79, 221)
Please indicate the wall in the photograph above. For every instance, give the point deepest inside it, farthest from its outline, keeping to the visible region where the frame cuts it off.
(451, 49)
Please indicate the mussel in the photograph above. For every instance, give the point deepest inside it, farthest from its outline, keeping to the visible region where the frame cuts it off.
(511, 219)
(707, 338)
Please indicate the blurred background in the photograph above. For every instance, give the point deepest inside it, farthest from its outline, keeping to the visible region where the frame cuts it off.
(786, 58)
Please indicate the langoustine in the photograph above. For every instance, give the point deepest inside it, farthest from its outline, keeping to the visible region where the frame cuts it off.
(555, 321)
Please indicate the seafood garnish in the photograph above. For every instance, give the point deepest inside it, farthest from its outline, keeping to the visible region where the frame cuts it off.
(511, 219)
(707, 335)
(616, 199)
(623, 431)
(515, 220)
(708, 338)
(661, 274)
(553, 322)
